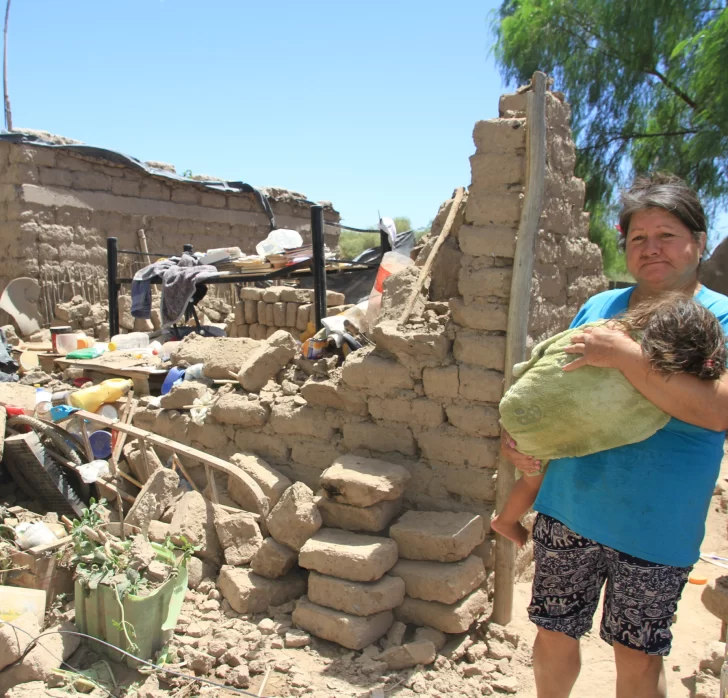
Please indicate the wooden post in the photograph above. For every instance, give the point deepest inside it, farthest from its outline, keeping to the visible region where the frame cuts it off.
(517, 327)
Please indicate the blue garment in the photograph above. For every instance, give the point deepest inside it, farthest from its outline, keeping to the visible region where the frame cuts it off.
(648, 499)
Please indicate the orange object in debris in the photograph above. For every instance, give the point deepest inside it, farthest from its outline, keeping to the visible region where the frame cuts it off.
(694, 579)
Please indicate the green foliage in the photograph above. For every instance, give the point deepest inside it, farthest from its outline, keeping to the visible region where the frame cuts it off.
(353, 244)
(645, 82)
(604, 234)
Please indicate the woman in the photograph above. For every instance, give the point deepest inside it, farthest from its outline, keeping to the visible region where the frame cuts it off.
(632, 516)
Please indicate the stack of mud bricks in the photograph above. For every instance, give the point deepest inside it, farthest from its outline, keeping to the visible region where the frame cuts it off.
(263, 311)
(350, 595)
(441, 575)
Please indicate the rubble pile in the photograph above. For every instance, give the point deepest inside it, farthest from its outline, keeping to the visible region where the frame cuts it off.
(262, 311)
(93, 319)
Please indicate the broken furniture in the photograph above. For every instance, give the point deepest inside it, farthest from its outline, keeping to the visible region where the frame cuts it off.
(146, 378)
(315, 267)
(211, 463)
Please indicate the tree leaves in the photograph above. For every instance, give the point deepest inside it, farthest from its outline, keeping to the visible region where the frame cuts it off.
(645, 82)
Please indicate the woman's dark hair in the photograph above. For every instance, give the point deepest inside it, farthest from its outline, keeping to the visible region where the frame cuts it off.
(665, 191)
(679, 335)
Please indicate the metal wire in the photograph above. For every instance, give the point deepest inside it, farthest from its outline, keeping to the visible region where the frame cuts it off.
(124, 652)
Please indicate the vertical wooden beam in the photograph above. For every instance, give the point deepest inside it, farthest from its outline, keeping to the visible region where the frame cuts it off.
(517, 327)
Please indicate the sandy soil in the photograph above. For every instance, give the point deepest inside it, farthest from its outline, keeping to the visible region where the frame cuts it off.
(694, 629)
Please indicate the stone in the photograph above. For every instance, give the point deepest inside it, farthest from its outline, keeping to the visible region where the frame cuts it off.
(438, 536)
(43, 658)
(369, 519)
(395, 636)
(356, 598)
(220, 355)
(14, 642)
(266, 360)
(239, 676)
(408, 655)
(505, 684)
(368, 372)
(273, 560)
(712, 660)
(239, 536)
(158, 531)
(448, 618)
(182, 395)
(379, 437)
(197, 570)
(715, 597)
(295, 518)
(142, 469)
(456, 648)
(436, 637)
(272, 482)
(353, 632)
(248, 592)
(446, 582)
(194, 519)
(296, 638)
(233, 408)
(346, 555)
(156, 495)
(362, 482)
(498, 649)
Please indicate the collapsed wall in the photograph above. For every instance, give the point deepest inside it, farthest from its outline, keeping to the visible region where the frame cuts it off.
(425, 396)
(60, 200)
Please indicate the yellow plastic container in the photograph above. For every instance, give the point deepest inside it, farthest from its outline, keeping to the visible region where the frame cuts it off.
(15, 601)
(90, 399)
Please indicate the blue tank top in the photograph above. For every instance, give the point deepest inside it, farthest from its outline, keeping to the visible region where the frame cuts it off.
(648, 499)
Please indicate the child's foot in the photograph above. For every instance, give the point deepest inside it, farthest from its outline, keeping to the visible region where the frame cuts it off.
(516, 532)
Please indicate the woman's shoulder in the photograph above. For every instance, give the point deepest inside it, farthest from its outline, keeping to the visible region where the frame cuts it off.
(603, 306)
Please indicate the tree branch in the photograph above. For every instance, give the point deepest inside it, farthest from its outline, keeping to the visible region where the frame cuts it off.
(636, 136)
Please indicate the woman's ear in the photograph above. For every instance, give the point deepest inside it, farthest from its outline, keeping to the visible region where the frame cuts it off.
(703, 242)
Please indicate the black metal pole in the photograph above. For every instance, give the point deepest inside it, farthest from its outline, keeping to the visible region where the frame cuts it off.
(113, 292)
(319, 263)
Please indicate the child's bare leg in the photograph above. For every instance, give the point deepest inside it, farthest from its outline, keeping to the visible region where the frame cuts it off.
(521, 499)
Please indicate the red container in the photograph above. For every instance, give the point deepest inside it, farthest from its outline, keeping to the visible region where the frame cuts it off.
(55, 331)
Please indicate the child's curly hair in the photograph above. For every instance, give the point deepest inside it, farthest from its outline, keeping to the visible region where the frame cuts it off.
(679, 335)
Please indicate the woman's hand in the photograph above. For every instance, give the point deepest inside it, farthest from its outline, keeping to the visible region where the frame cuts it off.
(521, 461)
(604, 346)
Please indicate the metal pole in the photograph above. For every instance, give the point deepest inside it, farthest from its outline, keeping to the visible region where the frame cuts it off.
(319, 265)
(113, 291)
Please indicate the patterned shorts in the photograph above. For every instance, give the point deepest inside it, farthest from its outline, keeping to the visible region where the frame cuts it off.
(640, 599)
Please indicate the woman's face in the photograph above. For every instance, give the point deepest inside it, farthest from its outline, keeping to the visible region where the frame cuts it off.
(661, 252)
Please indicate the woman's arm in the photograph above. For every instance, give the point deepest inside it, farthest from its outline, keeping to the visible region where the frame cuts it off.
(703, 403)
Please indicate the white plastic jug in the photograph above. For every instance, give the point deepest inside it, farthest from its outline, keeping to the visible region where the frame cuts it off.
(124, 342)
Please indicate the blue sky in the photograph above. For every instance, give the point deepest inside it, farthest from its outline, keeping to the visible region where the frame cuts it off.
(370, 105)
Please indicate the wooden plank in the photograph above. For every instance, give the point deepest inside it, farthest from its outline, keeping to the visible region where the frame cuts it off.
(211, 484)
(517, 326)
(425, 271)
(90, 365)
(178, 464)
(183, 449)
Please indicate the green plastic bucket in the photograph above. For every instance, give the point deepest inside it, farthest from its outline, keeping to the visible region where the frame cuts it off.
(150, 620)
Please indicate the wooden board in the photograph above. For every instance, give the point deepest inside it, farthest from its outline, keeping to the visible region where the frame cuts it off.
(188, 451)
(18, 395)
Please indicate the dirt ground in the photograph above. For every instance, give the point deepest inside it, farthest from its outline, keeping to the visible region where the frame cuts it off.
(694, 629)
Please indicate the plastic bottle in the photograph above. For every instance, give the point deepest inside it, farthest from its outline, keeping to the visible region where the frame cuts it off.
(90, 399)
(133, 340)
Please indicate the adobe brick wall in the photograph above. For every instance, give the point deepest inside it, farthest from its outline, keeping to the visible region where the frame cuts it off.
(426, 396)
(57, 207)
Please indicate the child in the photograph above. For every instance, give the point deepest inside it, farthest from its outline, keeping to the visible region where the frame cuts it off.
(551, 413)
